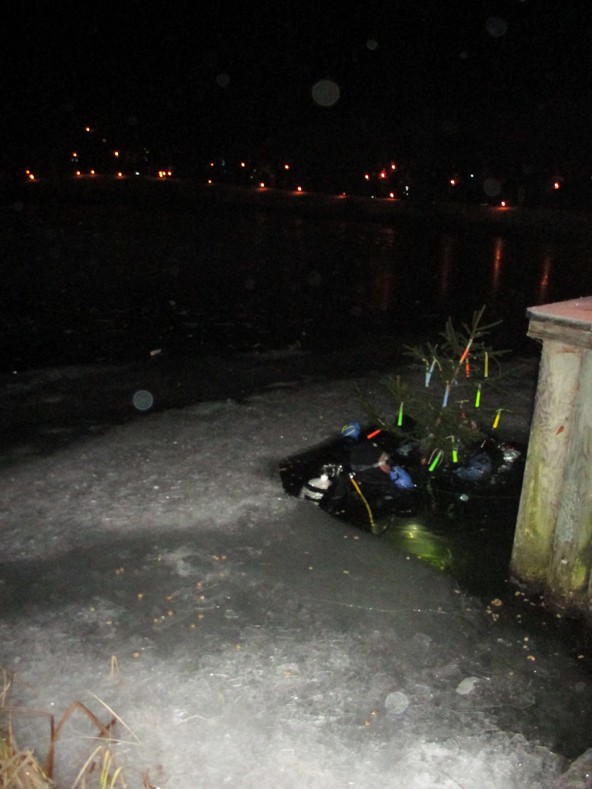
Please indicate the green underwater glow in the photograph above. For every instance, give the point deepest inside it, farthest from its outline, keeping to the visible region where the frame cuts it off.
(412, 537)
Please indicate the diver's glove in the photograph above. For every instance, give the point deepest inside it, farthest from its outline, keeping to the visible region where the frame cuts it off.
(400, 478)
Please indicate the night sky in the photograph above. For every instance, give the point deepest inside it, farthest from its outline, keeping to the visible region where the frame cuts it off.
(454, 80)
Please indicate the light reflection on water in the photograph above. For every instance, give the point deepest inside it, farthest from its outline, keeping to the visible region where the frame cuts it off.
(446, 265)
(496, 268)
(93, 282)
(416, 538)
(414, 279)
(475, 550)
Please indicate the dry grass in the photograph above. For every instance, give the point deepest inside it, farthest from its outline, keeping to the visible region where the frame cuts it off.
(21, 769)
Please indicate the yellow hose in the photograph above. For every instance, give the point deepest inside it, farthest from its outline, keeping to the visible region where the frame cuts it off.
(361, 495)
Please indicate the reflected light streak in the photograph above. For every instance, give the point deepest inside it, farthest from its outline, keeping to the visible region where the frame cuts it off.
(382, 289)
(445, 268)
(497, 265)
(543, 283)
(381, 285)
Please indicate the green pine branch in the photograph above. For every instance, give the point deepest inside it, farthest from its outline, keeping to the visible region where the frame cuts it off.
(450, 404)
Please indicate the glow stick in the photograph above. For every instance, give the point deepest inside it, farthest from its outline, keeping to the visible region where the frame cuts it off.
(497, 418)
(400, 417)
(428, 375)
(436, 460)
(486, 366)
(446, 393)
(466, 351)
(478, 396)
(467, 369)
(454, 455)
(374, 433)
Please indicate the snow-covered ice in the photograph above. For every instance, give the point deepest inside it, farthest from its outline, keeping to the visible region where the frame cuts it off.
(245, 637)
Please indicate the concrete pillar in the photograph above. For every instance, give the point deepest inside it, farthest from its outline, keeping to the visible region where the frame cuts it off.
(571, 560)
(553, 541)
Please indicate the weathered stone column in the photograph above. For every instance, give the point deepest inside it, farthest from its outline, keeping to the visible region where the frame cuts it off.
(571, 561)
(553, 541)
(547, 452)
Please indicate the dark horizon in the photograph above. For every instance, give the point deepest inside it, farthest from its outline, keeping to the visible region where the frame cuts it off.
(507, 81)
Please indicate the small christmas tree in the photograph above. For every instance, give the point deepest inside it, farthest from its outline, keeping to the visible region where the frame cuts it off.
(445, 408)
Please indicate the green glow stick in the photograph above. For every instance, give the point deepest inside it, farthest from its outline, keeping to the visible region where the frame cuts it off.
(436, 460)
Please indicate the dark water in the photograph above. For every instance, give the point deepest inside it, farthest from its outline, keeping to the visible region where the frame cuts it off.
(98, 283)
(109, 283)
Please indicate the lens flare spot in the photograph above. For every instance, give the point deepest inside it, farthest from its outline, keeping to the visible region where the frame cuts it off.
(143, 400)
(325, 93)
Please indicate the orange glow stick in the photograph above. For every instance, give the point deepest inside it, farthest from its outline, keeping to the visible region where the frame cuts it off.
(466, 351)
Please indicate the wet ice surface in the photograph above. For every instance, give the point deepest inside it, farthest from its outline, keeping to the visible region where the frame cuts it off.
(247, 638)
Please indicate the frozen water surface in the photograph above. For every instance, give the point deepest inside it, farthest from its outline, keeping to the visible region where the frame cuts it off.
(248, 639)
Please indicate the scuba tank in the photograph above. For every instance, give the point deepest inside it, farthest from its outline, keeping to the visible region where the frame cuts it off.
(315, 489)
